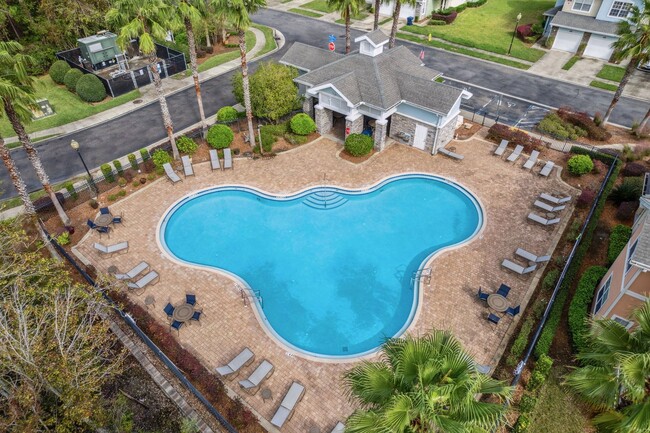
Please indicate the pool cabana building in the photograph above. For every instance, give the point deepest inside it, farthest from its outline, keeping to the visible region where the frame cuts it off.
(378, 91)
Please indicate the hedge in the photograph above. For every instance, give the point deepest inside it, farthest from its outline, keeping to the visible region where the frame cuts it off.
(584, 121)
(227, 114)
(107, 171)
(90, 88)
(447, 18)
(144, 153)
(498, 132)
(302, 124)
(579, 307)
(71, 77)
(617, 240)
(118, 167)
(58, 70)
(607, 159)
(358, 144)
(133, 161)
(220, 136)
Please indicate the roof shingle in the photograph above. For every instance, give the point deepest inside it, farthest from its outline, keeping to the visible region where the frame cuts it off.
(581, 22)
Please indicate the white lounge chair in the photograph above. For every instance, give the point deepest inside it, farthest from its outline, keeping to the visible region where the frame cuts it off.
(532, 160)
(451, 154)
(227, 158)
(502, 148)
(144, 281)
(137, 270)
(187, 166)
(515, 153)
(263, 371)
(339, 427)
(214, 160)
(548, 208)
(171, 174)
(538, 219)
(531, 257)
(111, 249)
(244, 358)
(546, 170)
(291, 399)
(553, 199)
(518, 268)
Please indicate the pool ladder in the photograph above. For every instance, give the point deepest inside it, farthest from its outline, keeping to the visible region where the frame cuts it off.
(247, 295)
(324, 199)
(420, 274)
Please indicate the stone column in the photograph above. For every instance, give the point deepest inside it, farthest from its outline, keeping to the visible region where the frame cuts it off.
(380, 134)
(353, 124)
(308, 105)
(446, 133)
(324, 119)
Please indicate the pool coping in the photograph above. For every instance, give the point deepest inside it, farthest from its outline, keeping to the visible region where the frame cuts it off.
(290, 349)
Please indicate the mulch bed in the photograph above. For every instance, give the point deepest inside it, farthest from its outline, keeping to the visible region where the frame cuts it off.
(464, 133)
(343, 154)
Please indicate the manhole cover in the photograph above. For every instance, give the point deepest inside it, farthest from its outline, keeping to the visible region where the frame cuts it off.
(137, 101)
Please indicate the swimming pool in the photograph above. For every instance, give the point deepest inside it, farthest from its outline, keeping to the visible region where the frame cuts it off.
(333, 267)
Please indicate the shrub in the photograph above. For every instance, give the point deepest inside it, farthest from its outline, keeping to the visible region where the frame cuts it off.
(58, 71)
(629, 190)
(135, 183)
(580, 164)
(296, 139)
(107, 171)
(626, 210)
(118, 167)
(111, 197)
(538, 29)
(90, 89)
(498, 132)
(73, 192)
(553, 125)
(578, 309)
(227, 114)
(275, 130)
(584, 121)
(437, 23)
(460, 7)
(121, 182)
(586, 198)
(520, 343)
(358, 144)
(524, 31)
(603, 155)
(144, 153)
(220, 136)
(544, 364)
(527, 403)
(186, 145)
(133, 161)
(521, 426)
(475, 4)
(550, 279)
(302, 124)
(160, 157)
(267, 142)
(535, 381)
(63, 238)
(448, 16)
(617, 240)
(121, 193)
(71, 77)
(634, 169)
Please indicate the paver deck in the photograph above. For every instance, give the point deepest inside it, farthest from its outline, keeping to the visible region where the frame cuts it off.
(449, 301)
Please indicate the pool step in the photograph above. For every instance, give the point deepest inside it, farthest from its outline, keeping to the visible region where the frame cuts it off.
(324, 200)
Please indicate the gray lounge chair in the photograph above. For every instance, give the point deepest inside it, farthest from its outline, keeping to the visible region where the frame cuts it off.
(111, 249)
(548, 208)
(244, 358)
(338, 428)
(451, 154)
(532, 160)
(516, 153)
(291, 399)
(531, 257)
(502, 148)
(546, 222)
(144, 281)
(518, 268)
(137, 270)
(264, 370)
(187, 166)
(555, 200)
(546, 170)
(171, 174)
(214, 160)
(227, 158)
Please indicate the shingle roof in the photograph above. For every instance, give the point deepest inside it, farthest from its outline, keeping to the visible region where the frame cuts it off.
(641, 256)
(552, 11)
(377, 37)
(307, 57)
(581, 22)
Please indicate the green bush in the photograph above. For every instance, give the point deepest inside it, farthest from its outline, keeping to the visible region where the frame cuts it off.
(58, 71)
(186, 145)
(527, 403)
(535, 381)
(522, 424)
(90, 88)
(302, 124)
(160, 157)
(220, 136)
(227, 114)
(296, 140)
(133, 161)
(107, 171)
(552, 124)
(118, 167)
(580, 164)
(358, 144)
(617, 240)
(629, 190)
(578, 309)
(276, 130)
(520, 343)
(144, 153)
(122, 182)
(71, 77)
(603, 157)
(550, 279)
(544, 364)
(73, 192)
(267, 142)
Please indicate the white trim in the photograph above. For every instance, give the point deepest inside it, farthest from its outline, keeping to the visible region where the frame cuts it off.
(416, 119)
(330, 85)
(609, 13)
(629, 322)
(628, 258)
(608, 282)
(595, 32)
(635, 295)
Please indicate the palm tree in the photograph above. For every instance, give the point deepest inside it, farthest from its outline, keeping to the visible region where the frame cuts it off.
(193, 10)
(347, 8)
(146, 20)
(17, 96)
(375, 25)
(615, 378)
(396, 10)
(426, 384)
(633, 43)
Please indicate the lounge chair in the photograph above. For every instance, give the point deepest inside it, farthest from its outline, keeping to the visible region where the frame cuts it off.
(339, 428)
(190, 299)
(169, 310)
(111, 249)
(548, 208)
(546, 170)
(503, 290)
(543, 221)
(144, 281)
(518, 268)
(171, 174)
(103, 230)
(502, 148)
(214, 160)
(244, 358)
(513, 311)
(493, 318)
(227, 158)
(531, 257)
(264, 370)
(91, 224)
(137, 270)
(516, 153)
(292, 397)
(451, 154)
(187, 166)
(532, 160)
(553, 199)
(482, 295)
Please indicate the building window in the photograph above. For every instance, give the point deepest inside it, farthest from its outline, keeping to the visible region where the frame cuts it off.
(620, 9)
(602, 294)
(582, 5)
(622, 321)
(628, 265)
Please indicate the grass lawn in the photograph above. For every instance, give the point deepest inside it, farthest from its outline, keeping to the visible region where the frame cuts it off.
(612, 73)
(318, 5)
(384, 21)
(67, 106)
(490, 27)
(269, 43)
(604, 86)
(306, 13)
(360, 16)
(226, 57)
(572, 61)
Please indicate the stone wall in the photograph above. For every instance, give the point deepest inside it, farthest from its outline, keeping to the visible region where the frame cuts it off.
(308, 105)
(446, 133)
(324, 119)
(380, 134)
(353, 125)
(399, 123)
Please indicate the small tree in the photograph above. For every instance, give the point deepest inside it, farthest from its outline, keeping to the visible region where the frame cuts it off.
(358, 144)
(302, 124)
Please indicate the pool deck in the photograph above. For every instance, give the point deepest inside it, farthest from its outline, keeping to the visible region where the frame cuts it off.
(506, 193)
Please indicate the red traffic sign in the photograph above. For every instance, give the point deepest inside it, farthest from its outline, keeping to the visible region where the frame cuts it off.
(331, 46)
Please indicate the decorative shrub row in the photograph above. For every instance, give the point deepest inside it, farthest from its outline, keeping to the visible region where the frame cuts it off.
(107, 171)
(579, 307)
(617, 240)
(540, 372)
(498, 132)
(133, 161)
(584, 121)
(220, 136)
(603, 157)
(580, 164)
(520, 343)
(58, 70)
(552, 124)
(90, 89)
(359, 144)
(118, 167)
(186, 145)
(448, 17)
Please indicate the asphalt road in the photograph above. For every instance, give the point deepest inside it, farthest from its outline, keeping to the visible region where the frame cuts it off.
(126, 134)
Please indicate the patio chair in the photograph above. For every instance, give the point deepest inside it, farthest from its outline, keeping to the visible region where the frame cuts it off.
(111, 249)
(482, 295)
(196, 316)
(91, 224)
(553, 199)
(516, 153)
(187, 166)
(503, 290)
(513, 311)
(532, 160)
(150, 278)
(252, 384)
(548, 208)
(227, 158)
(190, 299)
(543, 221)
(502, 148)
(244, 358)
(104, 211)
(338, 428)
(103, 230)
(118, 219)
(532, 257)
(176, 325)
(546, 170)
(171, 174)
(137, 270)
(291, 399)
(517, 268)
(169, 310)
(451, 154)
(493, 318)
(214, 160)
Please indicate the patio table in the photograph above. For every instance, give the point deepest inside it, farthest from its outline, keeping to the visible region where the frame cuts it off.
(104, 220)
(497, 302)
(183, 312)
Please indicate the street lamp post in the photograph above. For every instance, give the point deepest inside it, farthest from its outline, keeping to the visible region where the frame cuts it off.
(93, 188)
(514, 32)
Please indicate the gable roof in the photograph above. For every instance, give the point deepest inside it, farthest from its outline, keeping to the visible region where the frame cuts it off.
(375, 37)
(307, 57)
(585, 23)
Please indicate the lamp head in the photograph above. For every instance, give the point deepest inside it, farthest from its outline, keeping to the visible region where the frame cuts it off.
(519, 16)
(74, 144)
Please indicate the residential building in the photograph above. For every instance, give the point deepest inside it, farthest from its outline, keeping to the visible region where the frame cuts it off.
(627, 283)
(421, 10)
(587, 27)
(376, 91)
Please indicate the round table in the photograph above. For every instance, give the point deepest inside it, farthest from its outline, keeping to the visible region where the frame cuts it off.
(497, 302)
(266, 394)
(149, 300)
(183, 312)
(104, 220)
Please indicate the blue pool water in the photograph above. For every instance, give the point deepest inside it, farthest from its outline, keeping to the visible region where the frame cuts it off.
(333, 267)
